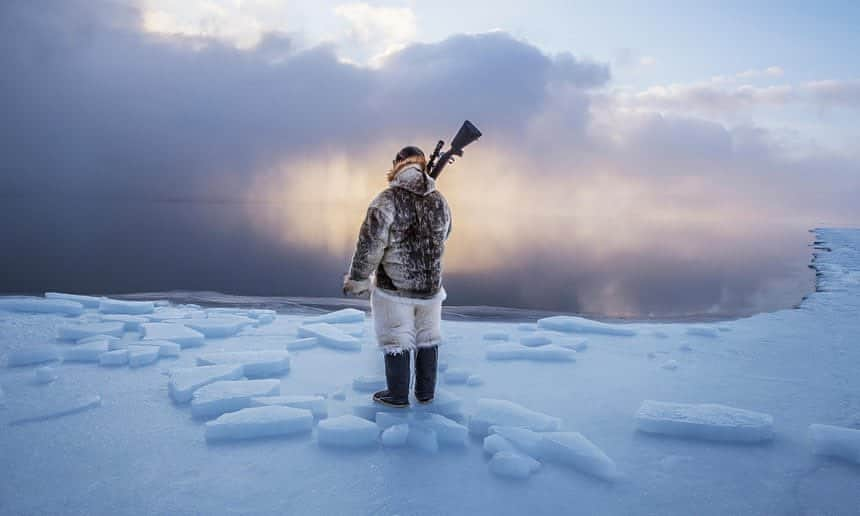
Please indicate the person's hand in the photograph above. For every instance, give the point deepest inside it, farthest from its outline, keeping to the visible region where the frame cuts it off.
(356, 288)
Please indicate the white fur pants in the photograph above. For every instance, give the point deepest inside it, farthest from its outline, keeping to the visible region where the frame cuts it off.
(403, 324)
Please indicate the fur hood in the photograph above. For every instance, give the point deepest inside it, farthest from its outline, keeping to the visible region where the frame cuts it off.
(414, 179)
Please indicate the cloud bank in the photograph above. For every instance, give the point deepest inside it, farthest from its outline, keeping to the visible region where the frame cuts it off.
(115, 139)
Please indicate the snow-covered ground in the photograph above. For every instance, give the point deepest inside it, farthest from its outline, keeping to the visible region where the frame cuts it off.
(112, 407)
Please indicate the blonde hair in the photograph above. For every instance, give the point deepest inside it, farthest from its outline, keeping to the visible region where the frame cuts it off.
(421, 161)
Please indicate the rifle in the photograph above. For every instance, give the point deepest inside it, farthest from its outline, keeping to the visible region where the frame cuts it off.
(467, 134)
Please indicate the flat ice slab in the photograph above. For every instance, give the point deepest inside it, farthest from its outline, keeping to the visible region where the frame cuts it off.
(58, 409)
(166, 348)
(572, 324)
(513, 465)
(116, 357)
(139, 356)
(256, 364)
(347, 315)
(316, 404)
(89, 352)
(836, 441)
(549, 353)
(347, 431)
(37, 305)
(229, 396)
(115, 306)
(182, 335)
(33, 355)
(87, 301)
(492, 412)
(538, 338)
(709, 422)
(131, 322)
(183, 382)
(329, 336)
(257, 422)
(85, 330)
(220, 326)
(574, 450)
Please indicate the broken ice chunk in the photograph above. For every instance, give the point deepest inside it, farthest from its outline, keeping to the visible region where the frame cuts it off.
(89, 352)
(447, 431)
(572, 324)
(330, 336)
(131, 322)
(85, 330)
(513, 465)
(139, 356)
(347, 315)
(33, 355)
(347, 431)
(495, 443)
(257, 422)
(230, 395)
(87, 301)
(38, 305)
(182, 335)
(165, 347)
(220, 326)
(117, 357)
(316, 404)
(573, 449)
(183, 382)
(836, 441)
(540, 338)
(256, 364)
(492, 412)
(550, 353)
(115, 306)
(710, 422)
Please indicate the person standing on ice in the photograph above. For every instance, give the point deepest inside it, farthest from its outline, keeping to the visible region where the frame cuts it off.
(401, 244)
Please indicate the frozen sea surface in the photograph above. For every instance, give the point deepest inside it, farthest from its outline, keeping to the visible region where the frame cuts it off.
(78, 438)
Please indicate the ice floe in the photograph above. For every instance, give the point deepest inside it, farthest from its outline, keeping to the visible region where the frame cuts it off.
(139, 356)
(182, 335)
(347, 431)
(223, 396)
(89, 352)
(395, 436)
(219, 327)
(549, 353)
(184, 381)
(87, 301)
(539, 338)
(330, 336)
(115, 306)
(86, 330)
(117, 357)
(258, 422)
(166, 348)
(256, 364)
(37, 305)
(347, 315)
(575, 450)
(316, 404)
(711, 422)
(494, 412)
(513, 465)
(573, 324)
(131, 322)
(31, 356)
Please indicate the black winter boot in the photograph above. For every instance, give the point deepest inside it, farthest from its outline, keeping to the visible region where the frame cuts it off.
(425, 373)
(397, 378)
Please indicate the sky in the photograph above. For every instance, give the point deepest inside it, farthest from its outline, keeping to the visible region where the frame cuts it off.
(637, 160)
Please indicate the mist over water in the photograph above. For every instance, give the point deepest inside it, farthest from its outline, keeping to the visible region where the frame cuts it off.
(112, 247)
